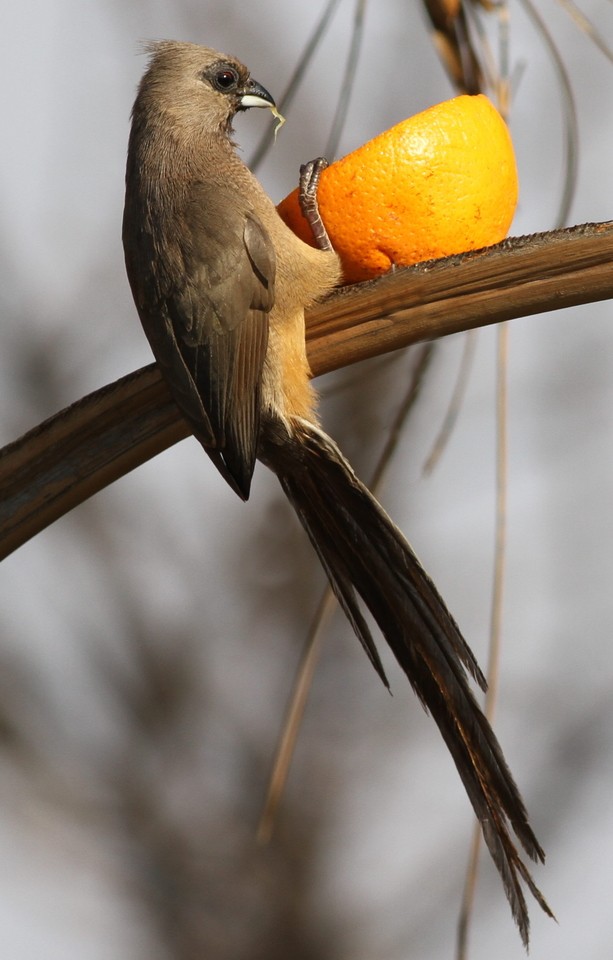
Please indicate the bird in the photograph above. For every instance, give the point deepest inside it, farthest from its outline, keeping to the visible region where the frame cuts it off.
(221, 286)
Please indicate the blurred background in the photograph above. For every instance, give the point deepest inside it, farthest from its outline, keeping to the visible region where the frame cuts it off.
(148, 640)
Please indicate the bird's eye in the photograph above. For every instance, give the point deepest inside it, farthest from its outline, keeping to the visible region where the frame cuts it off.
(225, 79)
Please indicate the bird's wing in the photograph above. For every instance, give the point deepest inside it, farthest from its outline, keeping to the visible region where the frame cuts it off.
(218, 320)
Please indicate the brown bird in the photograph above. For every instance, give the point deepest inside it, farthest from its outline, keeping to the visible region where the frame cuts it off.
(221, 286)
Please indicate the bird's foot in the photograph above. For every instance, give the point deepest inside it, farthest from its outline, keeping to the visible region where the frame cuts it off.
(309, 180)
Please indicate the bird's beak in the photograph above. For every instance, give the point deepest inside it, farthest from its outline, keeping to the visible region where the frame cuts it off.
(255, 95)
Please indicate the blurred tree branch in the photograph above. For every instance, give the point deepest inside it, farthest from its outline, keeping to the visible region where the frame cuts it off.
(103, 436)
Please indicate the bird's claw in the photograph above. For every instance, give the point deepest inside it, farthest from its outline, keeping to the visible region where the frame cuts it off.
(307, 195)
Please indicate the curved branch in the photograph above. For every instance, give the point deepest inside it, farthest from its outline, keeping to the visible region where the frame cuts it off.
(100, 438)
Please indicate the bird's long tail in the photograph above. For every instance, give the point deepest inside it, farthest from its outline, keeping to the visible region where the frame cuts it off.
(364, 553)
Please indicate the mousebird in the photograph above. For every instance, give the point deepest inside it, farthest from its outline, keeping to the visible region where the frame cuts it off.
(221, 285)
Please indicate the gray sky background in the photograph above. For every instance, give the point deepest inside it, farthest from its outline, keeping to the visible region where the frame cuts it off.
(173, 543)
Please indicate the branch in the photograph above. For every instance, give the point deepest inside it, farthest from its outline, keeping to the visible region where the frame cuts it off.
(100, 438)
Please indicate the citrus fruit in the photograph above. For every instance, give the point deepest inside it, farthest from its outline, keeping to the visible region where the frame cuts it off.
(442, 182)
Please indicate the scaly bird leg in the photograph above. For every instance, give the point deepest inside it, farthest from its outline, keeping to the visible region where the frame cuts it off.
(309, 180)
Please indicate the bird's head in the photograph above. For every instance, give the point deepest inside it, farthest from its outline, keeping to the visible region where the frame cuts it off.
(198, 85)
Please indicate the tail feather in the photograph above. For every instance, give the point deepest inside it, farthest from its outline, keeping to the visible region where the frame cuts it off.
(364, 553)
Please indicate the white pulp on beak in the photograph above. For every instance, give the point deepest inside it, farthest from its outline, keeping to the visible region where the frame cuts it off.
(252, 100)
(280, 120)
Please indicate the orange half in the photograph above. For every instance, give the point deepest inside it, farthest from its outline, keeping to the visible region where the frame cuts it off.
(442, 182)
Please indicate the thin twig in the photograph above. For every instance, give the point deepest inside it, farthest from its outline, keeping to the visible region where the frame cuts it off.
(292, 721)
(342, 107)
(296, 79)
(455, 402)
(587, 27)
(569, 112)
(495, 637)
